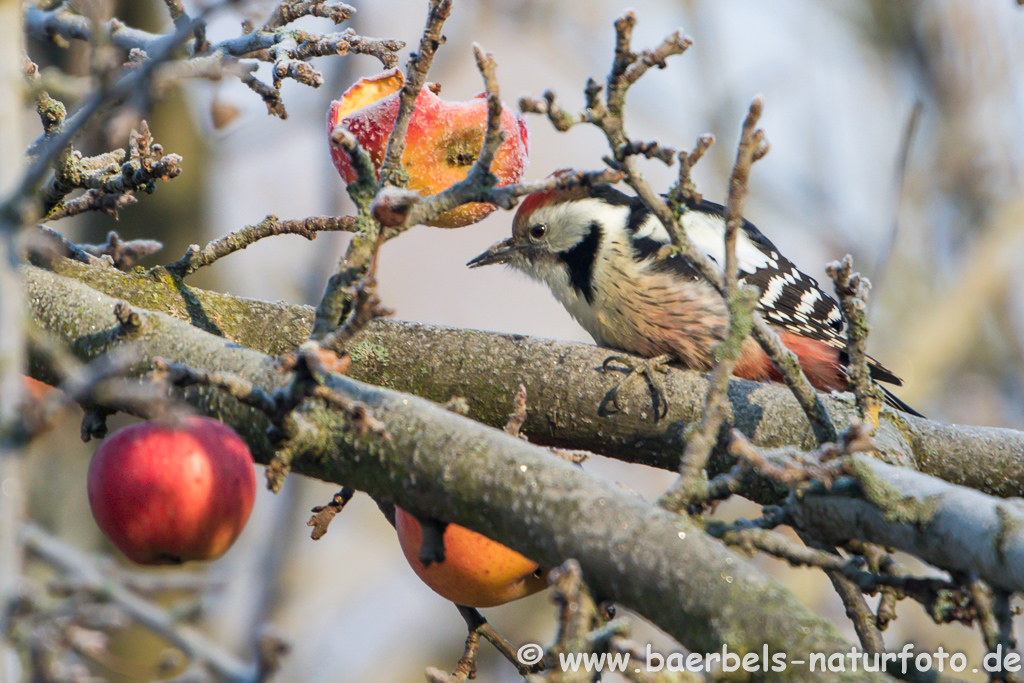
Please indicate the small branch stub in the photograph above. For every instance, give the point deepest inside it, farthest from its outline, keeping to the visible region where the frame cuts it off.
(323, 515)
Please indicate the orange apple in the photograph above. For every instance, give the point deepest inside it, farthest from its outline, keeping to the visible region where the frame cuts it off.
(167, 491)
(35, 389)
(443, 140)
(476, 571)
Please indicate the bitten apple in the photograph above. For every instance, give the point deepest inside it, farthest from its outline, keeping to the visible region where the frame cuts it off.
(476, 571)
(443, 140)
(168, 491)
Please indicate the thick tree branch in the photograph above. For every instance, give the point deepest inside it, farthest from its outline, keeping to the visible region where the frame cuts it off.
(568, 392)
(438, 460)
(951, 527)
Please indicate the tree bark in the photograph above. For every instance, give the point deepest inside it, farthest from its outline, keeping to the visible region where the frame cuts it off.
(631, 552)
(569, 394)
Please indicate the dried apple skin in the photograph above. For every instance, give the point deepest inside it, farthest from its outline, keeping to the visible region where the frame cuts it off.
(442, 143)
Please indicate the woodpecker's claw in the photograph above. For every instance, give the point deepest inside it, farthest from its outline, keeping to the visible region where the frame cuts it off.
(641, 368)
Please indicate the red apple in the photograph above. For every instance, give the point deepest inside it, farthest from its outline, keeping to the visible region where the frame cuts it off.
(476, 571)
(443, 140)
(168, 491)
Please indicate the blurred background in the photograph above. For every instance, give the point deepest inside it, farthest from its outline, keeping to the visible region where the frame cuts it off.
(848, 86)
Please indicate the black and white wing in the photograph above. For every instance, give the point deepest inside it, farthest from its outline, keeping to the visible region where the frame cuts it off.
(789, 298)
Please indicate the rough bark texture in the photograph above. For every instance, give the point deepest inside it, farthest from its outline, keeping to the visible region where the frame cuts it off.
(952, 527)
(692, 586)
(565, 384)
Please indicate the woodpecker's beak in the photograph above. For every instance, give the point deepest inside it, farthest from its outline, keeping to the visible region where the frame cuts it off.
(499, 253)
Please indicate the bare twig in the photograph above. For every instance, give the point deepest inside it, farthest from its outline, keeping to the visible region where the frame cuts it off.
(323, 515)
(365, 307)
(996, 623)
(362, 419)
(465, 668)
(608, 116)
(124, 255)
(628, 67)
(45, 245)
(788, 364)
(91, 200)
(560, 119)
(288, 49)
(479, 175)
(852, 290)
(752, 146)
(196, 257)
(589, 629)
(361, 254)
(290, 10)
(943, 600)
(881, 562)
(507, 197)
(517, 418)
(793, 468)
(651, 150)
(183, 376)
(108, 178)
(692, 483)
(857, 610)
(364, 189)
(1004, 619)
(14, 208)
(475, 622)
(392, 171)
(902, 163)
(684, 191)
(84, 571)
(578, 613)
(393, 205)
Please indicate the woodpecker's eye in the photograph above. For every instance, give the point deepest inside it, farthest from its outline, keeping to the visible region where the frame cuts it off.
(538, 231)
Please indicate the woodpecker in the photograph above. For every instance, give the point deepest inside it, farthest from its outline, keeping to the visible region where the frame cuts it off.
(597, 249)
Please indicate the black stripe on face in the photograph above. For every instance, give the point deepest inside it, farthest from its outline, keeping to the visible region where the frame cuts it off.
(580, 261)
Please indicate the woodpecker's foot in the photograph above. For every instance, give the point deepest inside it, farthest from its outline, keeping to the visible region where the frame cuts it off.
(645, 368)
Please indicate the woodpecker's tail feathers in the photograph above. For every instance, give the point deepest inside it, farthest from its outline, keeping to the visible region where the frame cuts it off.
(880, 373)
(894, 401)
